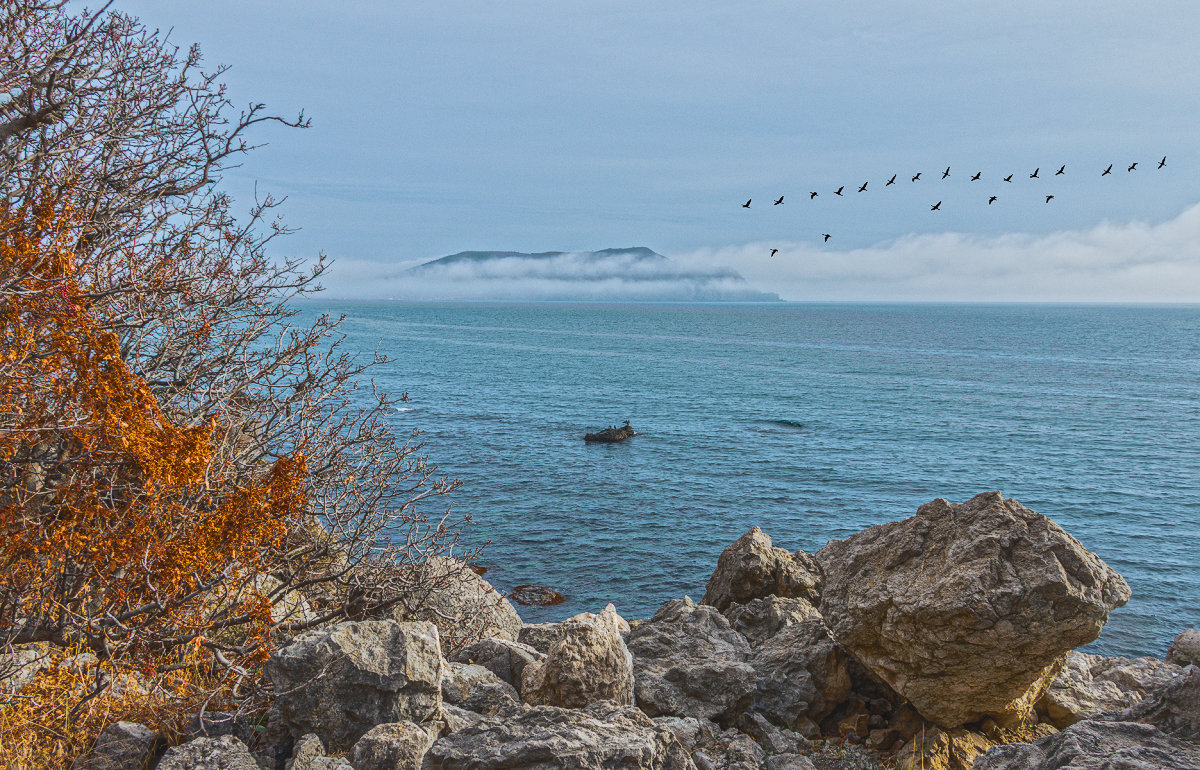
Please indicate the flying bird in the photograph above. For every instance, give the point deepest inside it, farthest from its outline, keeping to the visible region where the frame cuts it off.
(991, 200)
(827, 236)
(1049, 198)
(838, 191)
(936, 207)
(773, 252)
(1034, 175)
(746, 205)
(864, 187)
(918, 176)
(1132, 167)
(779, 201)
(893, 180)
(1008, 178)
(946, 173)
(976, 177)
(812, 195)
(1162, 162)
(1061, 169)
(1108, 170)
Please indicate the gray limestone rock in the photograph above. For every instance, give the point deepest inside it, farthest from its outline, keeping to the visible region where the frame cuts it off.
(464, 607)
(1185, 650)
(760, 619)
(223, 753)
(968, 609)
(1090, 684)
(589, 663)
(341, 682)
(392, 746)
(123, 746)
(1094, 745)
(688, 662)
(751, 568)
(504, 658)
(600, 736)
(801, 674)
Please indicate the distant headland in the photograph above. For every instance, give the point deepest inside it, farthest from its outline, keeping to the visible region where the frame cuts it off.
(635, 274)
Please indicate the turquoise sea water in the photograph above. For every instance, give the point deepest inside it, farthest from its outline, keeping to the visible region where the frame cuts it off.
(812, 421)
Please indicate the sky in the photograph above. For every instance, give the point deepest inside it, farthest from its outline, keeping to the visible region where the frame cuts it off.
(551, 126)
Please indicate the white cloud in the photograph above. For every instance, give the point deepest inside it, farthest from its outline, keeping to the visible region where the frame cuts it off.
(1132, 262)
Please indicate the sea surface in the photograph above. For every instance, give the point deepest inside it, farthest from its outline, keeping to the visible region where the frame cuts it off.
(811, 421)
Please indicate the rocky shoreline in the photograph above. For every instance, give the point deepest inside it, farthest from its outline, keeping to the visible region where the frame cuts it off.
(945, 640)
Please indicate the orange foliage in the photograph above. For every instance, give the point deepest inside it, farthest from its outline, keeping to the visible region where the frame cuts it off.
(124, 521)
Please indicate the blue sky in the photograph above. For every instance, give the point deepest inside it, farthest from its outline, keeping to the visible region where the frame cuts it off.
(534, 126)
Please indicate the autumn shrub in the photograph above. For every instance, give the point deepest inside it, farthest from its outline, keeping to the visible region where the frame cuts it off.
(187, 478)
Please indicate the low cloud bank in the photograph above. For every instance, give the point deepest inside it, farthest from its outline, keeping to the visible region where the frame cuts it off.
(1131, 262)
(1111, 262)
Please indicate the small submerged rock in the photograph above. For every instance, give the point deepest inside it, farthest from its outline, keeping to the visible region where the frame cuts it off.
(534, 595)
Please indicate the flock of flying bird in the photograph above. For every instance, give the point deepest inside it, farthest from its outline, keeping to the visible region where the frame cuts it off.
(945, 174)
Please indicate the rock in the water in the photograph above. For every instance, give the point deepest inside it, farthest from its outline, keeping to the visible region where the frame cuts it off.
(341, 682)
(688, 662)
(1091, 684)
(751, 568)
(393, 746)
(760, 619)
(603, 735)
(122, 746)
(535, 596)
(464, 607)
(224, 753)
(968, 609)
(503, 658)
(1185, 650)
(801, 674)
(1094, 745)
(589, 663)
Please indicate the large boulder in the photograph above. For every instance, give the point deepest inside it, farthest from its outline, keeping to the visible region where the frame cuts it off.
(588, 663)
(968, 609)
(1185, 650)
(464, 607)
(502, 657)
(223, 753)
(393, 746)
(802, 675)
(602, 735)
(1094, 745)
(123, 746)
(1091, 684)
(688, 662)
(340, 682)
(751, 568)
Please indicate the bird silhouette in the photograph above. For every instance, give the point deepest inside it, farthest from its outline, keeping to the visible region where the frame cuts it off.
(1132, 167)
(976, 177)
(838, 191)
(1034, 175)
(1061, 169)
(936, 207)
(779, 201)
(1108, 170)
(864, 187)
(946, 173)
(891, 181)
(812, 195)
(773, 252)
(827, 236)
(1008, 178)
(1049, 198)
(991, 200)
(918, 176)
(746, 205)
(1162, 162)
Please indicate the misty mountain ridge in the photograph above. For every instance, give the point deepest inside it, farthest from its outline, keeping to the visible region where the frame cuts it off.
(628, 274)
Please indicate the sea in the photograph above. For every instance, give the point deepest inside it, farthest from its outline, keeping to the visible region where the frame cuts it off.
(811, 421)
